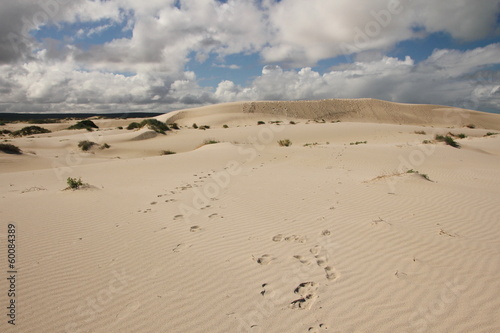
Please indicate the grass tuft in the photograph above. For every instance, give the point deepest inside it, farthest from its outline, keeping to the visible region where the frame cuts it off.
(84, 124)
(285, 143)
(86, 145)
(10, 149)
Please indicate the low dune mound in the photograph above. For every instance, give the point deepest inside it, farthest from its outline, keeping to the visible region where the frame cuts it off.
(352, 110)
(144, 135)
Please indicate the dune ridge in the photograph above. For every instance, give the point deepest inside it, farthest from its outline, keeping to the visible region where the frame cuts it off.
(352, 110)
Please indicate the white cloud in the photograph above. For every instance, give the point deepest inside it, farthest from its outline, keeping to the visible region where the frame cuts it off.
(147, 69)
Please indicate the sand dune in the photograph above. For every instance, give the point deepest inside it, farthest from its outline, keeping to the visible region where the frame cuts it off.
(330, 234)
(352, 110)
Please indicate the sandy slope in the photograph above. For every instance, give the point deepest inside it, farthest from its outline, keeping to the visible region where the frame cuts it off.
(248, 236)
(352, 110)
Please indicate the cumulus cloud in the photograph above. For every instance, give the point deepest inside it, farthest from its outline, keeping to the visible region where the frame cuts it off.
(147, 68)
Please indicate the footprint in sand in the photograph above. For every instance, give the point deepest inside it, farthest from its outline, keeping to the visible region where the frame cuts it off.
(195, 228)
(331, 273)
(278, 238)
(326, 233)
(264, 259)
(315, 250)
(321, 262)
(302, 259)
(179, 247)
(321, 327)
(308, 293)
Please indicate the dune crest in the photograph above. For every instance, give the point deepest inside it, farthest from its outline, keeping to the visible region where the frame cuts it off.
(353, 110)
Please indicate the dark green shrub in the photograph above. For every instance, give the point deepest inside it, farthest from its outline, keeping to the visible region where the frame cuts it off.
(285, 143)
(120, 127)
(74, 183)
(133, 125)
(448, 140)
(86, 145)
(358, 143)
(490, 134)
(210, 141)
(155, 125)
(471, 126)
(152, 124)
(30, 130)
(167, 152)
(10, 149)
(84, 124)
(225, 126)
(292, 122)
(260, 122)
(104, 146)
(195, 126)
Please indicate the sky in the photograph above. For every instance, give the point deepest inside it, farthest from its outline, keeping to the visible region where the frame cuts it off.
(117, 56)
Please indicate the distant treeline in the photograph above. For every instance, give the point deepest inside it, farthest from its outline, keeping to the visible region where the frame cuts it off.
(46, 116)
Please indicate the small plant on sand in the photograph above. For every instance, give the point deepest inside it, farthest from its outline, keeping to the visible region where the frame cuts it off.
(2, 123)
(174, 126)
(86, 145)
(155, 125)
(260, 122)
(84, 124)
(311, 144)
(195, 126)
(167, 152)
(5, 131)
(419, 132)
(10, 149)
(470, 126)
(448, 140)
(292, 122)
(210, 142)
(74, 183)
(133, 125)
(285, 143)
(423, 175)
(204, 127)
(426, 142)
(461, 136)
(104, 146)
(490, 134)
(225, 126)
(30, 130)
(358, 143)
(120, 127)
(152, 124)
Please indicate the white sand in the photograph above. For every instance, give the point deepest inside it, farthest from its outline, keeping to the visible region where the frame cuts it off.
(248, 236)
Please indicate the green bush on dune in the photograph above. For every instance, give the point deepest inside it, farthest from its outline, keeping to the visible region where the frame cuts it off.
(84, 124)
(74, 183)
(30, 130)
(285, 143)
(152, 124)
(86, 145)
(10, 148)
